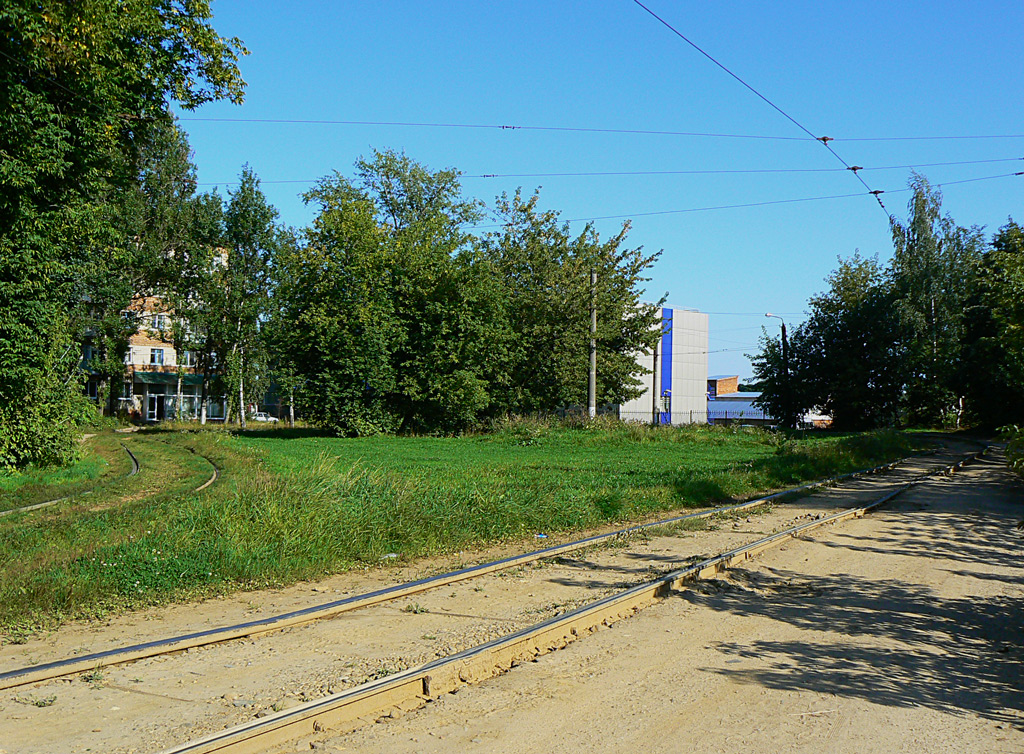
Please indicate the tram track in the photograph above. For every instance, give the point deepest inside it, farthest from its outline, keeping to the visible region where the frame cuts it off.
(213, 476)
(92, 662)
(133, 471)
(135, 468)
(413, 687)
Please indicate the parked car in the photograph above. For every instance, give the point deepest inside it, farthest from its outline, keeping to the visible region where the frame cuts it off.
(263, 416)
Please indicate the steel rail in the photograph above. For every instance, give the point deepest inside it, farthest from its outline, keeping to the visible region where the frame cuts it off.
(498, 655)
(143, 650)
(213, 477)
(136, 467)
(36, 506)
(135, 461)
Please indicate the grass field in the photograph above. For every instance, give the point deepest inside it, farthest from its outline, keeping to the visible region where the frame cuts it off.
(103, 459)
(296, 505)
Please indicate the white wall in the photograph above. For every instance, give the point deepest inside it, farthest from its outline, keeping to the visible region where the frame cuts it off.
(689, 372)
(689, 366)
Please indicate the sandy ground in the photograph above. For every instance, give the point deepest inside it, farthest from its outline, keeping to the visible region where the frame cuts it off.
(748, 653)
(899, 632)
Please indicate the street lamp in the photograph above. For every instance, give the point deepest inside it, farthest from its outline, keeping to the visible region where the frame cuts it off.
(787, 411)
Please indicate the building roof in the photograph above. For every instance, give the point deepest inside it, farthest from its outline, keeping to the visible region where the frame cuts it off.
(737, 406)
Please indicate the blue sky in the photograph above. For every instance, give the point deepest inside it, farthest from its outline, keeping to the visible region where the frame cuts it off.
(851, 71)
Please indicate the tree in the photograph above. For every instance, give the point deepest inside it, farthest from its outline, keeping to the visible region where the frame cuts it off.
(993, 361)
(332, 326)
(843, 356)
(930, 275)
(252, 235)
(546, 274)
(194, 293)
(446, 299)
(392, 317)
(150, 222)
(80, 85)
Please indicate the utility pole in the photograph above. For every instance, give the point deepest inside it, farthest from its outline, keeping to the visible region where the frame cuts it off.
(654, 386)
(592, 384)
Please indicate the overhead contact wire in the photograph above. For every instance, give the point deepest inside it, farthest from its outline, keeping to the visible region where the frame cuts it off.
(823, 139)
(591, 174)
(755, 204)
(494, 126)
(579, 129)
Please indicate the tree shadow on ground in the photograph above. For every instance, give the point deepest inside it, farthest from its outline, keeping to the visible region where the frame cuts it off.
(778, 472)
(953, 655)
(599, 576)
(284, 433)
(949, 520)
(890, 641)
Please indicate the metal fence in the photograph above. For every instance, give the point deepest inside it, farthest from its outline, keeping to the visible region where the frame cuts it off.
(745, 416)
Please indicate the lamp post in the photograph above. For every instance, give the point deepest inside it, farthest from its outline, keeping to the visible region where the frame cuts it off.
(787, 405)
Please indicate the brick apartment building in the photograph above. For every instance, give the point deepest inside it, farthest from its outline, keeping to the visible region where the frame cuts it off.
(158, 377)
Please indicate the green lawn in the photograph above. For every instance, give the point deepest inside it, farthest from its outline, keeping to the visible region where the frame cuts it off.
(294, 505)
(102, 460)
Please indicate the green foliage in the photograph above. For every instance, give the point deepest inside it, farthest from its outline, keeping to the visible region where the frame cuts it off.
(546, 276)
(291, 506)
(931, 275)
(1014, 437)
(252, 237)
(448, 311)
(934, 337)
(994, 344)
(842, 356)
(149, 222)
(82, 85)
(195, 294)
(333, 320)
(391, 317)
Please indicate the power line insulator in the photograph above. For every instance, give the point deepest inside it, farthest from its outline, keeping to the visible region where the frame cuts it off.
(825, 139)
(876, 192)
(855, 168)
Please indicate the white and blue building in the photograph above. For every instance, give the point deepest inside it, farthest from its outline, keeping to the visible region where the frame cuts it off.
(675, 375)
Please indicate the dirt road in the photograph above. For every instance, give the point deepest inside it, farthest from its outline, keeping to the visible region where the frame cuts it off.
(899, 632)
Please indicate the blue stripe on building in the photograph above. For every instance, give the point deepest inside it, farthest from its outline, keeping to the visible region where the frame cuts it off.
(666, 365)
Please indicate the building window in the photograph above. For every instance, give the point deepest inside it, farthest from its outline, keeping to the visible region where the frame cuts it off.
(159, 322)
(188, 359)
(156, 356)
